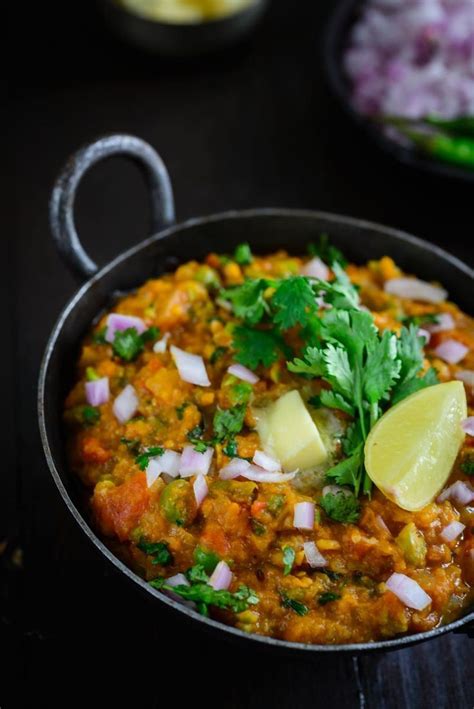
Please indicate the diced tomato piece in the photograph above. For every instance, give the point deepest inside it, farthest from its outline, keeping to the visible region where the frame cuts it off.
(119, 509)
(93, 451)
(215, 539)
(257, 507)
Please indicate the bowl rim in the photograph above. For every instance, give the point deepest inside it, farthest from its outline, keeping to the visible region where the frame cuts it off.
(211, 624)
(187, 26)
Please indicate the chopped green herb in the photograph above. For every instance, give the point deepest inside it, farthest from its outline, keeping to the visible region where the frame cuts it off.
(217, 354)
(289, 556)
(294, 302)
(98, 338)
(296, 606)
(418, 320)
(158, 550)
(328, 597)
(128, 344)
(332, 575)
(228, 422)
(243, 255)
(467, 466)
(254, 347)
(197, 574)
(90, 415)
(133, 444)
(258, 528)
(230, 449)
(326, 252)
(315, 401)
(143, 458)
(248, 302)
(180, 410)
(207, 559)
(240, 393)
(91, 374)
(341, 507)
(204, 595)
(194, 436)
(275, 504)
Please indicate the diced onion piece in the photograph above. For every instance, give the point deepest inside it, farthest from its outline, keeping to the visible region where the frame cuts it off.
(221, 577)
(258, 475)
(452, 531)
(445, 321)
(266, 462)
(451, 351)
(167, 463)
(414, 289)
(178, 580)
(459, 492)
(468, 425)
(191, 367)
(316, 269)
(126, 404)
(194, 463)
(241, 372)
(303, 515)
(466, 376)
(97, 391)
(201, 489)
(425, 334)
(313, 556)
(234, 469)
(116, 322)
(408, 591)
(160, 345)
(380, 521)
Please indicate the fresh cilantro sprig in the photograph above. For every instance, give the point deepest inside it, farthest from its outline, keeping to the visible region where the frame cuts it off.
(160, 552)
(254, 347)
(327, 252)
(341, 507)
(128, 344)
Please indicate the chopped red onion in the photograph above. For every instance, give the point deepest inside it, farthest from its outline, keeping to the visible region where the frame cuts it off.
(160, 345)
(97, 391)
(266, 462)
(234, 469)
(408, 591)
(221, 577)
(167, 463)
(258, 475)
(451, 351)
(126, 404)
(466, 376)
(316, 269)
(201, 489)
(194, 463)
(303, 515)
(313, 556)
(191, 367)
(468, 425)
(445, 321)
(459, 492)
(425, 334)
(116, 322)
(382, 525)
(241, 372)
(452, 531)
(414, 289)
(178, 580)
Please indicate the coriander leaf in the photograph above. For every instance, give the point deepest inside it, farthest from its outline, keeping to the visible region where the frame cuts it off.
(333, 400)
(127, 344)
(353, 439)
(348, 471)
(313, 363)
(181, 409)
(293, 604)
(418, 320)
(90, 415)
(327, 597)
(332, 575)
(410, 386)
(410, 352)
(467, 466)
(294, 302)
(240, 393)
(158, 550)
(151, 334)
(247, 300)
(217, 354)
(230, 449)
(289, 555)
(338, 370)
(133, 444)
(254, 347)
(98, 338)
(202, 593)
(143, 458)
(341, 507)
(381, 368)
(340, 293)
(275, 504)
(258, 528)
(326, 252)
(228, 422)
(197, 574)
(243, 255)
(207, 559)
(194, 436)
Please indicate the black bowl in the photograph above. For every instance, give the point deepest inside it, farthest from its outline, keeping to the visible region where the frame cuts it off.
(182, 40)
(335, 41)
(170, 245)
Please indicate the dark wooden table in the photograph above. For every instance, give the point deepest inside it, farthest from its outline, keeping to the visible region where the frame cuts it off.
(254, 127)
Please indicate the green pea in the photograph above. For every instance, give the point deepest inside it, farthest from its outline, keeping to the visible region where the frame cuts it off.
(177, 502)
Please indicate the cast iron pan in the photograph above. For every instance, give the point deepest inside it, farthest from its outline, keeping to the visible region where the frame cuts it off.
(336, 37)
(171, 244)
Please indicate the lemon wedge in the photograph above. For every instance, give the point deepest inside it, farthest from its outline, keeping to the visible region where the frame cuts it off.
(411, 450)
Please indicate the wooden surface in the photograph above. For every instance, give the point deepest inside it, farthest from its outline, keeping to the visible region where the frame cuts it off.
(254, 127)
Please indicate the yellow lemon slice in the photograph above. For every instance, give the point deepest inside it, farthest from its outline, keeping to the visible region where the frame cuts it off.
(411, 450)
